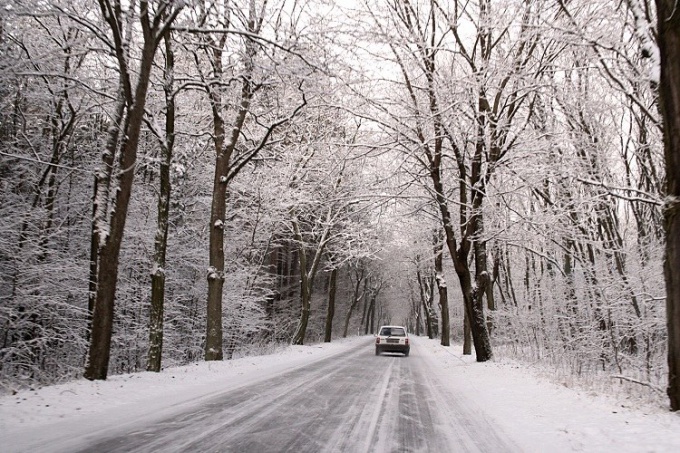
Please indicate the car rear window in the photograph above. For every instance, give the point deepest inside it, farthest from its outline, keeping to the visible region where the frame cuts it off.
(393, 331)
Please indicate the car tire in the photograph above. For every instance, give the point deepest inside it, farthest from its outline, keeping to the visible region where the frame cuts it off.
(406, 353)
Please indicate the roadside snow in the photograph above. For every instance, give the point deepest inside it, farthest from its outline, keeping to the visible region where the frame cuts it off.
(543, 416)
(58, 416)
(538, 415)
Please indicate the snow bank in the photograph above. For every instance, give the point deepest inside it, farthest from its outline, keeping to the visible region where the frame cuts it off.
(543, 416)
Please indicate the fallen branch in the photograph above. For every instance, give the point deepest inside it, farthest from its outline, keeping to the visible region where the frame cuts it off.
(646, 384)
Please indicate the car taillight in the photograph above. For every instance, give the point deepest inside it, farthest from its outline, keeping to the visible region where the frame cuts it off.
(406, 342)
(377, 340)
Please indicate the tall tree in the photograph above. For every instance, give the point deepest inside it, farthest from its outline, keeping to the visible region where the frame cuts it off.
(668, 20)
(113, 190)
(330, 313)
(429, 135)
(309, 268)
(166, 144)
(228, 135)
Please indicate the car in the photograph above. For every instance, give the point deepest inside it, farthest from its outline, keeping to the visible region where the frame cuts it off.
(392, 339)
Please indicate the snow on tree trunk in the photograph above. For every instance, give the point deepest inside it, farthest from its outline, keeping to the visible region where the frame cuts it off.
(161, 239)
(109, 251)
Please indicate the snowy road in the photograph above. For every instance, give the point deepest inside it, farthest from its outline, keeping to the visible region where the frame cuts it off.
(334, 397)
(353, 401)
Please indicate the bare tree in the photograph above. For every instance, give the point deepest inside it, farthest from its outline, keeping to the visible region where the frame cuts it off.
(113, 190)
(166, 144)
(232, 151)
(426, 284)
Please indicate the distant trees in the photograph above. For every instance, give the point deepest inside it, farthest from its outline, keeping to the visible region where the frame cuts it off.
(329, 212)
(44, 122)
(468, 101)
(583, 273)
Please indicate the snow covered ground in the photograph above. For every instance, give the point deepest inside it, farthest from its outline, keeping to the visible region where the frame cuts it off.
(537, 415)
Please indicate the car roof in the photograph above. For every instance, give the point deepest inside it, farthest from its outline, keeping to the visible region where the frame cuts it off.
(393, 327)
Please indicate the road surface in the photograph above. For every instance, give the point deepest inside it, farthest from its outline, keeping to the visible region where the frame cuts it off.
(351, 402)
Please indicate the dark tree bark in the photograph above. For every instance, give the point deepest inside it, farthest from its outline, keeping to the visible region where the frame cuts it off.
(374, 297)
(305, 290)
(161, 239)
(472, 300)
(307, 275)
(668, 17)
(332, 289)
(467, 335)
(356, 297)
(369, 313)
(416, 308)
(223, 150)
(108, 246)
(100, 200)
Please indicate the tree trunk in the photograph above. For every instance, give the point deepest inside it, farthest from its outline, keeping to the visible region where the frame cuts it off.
(467, 335)
(363, 325)
(213, 338)
(100, 198)
(441, 286)
(372, 312)
(307, 276)
(331, 305)
(426, 296)
(368, 300)
(94, 265)
(669, 89)
(223, 173)
(305, 298)
(161, 239)
(355, 301)
(444, 306)
(481, 267)
(345, 331)
(107, 269)
(473, 304)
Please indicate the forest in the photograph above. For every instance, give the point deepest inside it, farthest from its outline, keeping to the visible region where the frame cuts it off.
(187, 180)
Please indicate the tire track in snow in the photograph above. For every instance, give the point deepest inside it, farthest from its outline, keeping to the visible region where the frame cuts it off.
(378, 410)
(351, 402)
